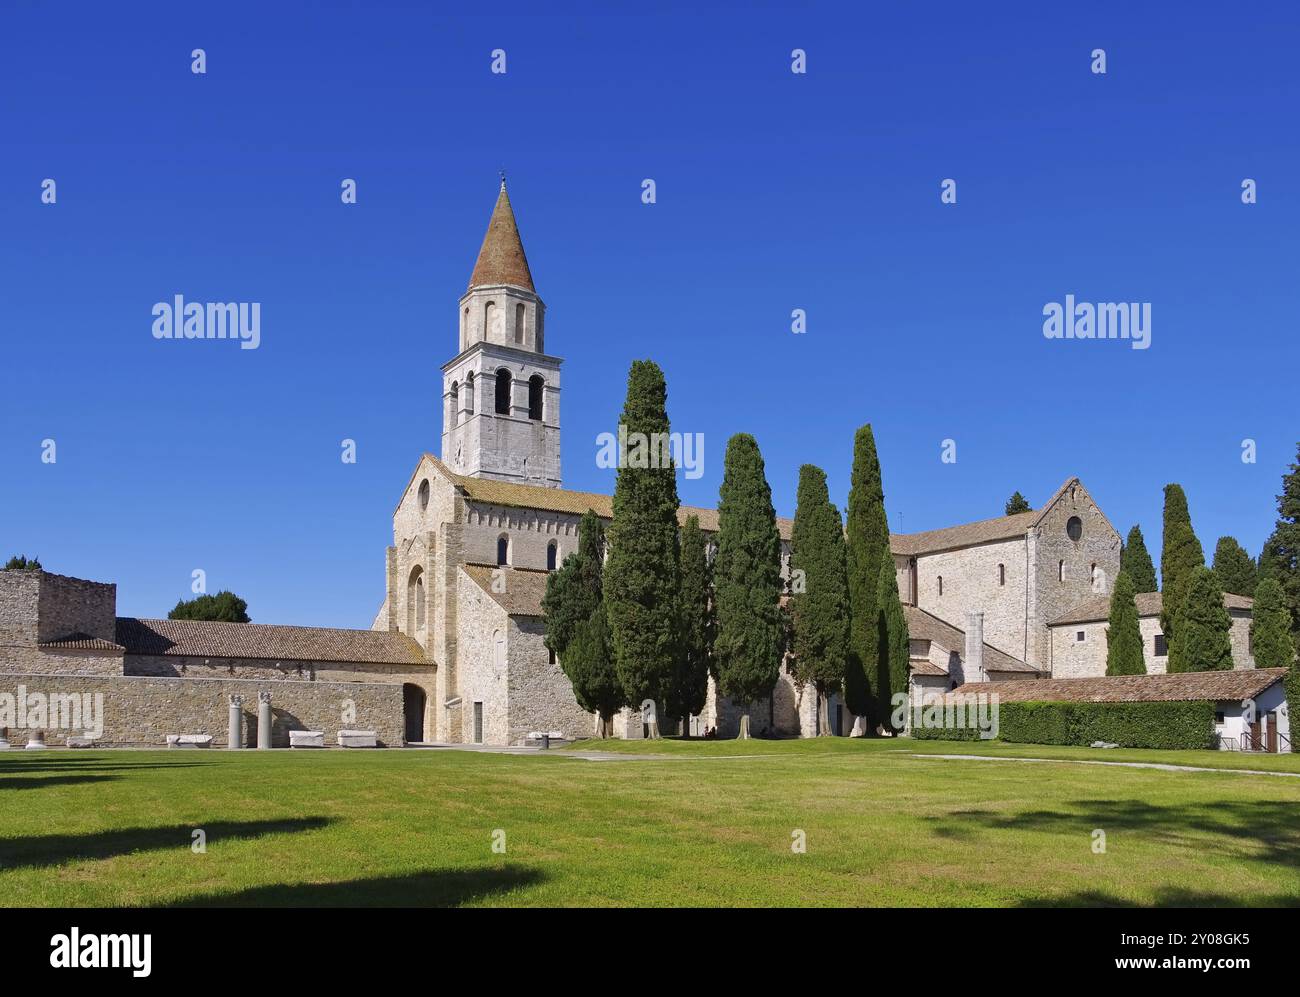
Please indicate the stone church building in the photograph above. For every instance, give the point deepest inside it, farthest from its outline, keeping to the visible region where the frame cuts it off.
(455, 652)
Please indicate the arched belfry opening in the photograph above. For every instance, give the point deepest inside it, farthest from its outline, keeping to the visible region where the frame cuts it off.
(536, 392)
(504, 382)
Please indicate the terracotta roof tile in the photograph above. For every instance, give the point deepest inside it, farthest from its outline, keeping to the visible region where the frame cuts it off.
(1179, 687)
(493, 492)
(963, 535)
(524, 587)
(925, 626)
(206, 638)
(1097, 607)
(501, 258)
(83, 642)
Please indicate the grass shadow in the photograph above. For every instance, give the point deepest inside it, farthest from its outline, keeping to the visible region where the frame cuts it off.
(46, 781)
(55, 849)
(434, 888)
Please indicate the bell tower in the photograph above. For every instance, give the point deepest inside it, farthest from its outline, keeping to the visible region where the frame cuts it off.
(501, 392)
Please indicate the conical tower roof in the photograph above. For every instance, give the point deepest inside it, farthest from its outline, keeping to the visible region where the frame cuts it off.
(501, 258)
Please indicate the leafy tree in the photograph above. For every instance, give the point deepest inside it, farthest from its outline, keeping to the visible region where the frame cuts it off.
(643, 573)
(1283, 548)
(1200, 642)
(20, 562)
(819, 600)
(747, 580)
(1270, 627)
(1135, 561)
(690, 685)
(1017, 503)
(225, 607)
(867, 540)
(1124, 635)
(576, 588)
(1179, 557)
(893, 660)
(1234, 567)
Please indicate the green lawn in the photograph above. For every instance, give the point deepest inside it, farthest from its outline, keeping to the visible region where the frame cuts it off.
(710, 823)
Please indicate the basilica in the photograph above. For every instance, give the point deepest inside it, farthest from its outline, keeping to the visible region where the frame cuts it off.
(456, 654)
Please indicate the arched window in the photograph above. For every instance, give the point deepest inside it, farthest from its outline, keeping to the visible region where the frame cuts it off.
(490, 313)
(535, 390)
(1002, 574)
(552, 555)
(941, 584)
(504, 380)
(469, 393)
(464, 329)
(424, 494)
(415, 601)
(455, 404)
(503, 550)
(519, 323)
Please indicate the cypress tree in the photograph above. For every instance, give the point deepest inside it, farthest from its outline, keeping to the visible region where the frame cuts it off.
(643, 572)
(575, 630)
(747, 580)
(690, 685)
(1200, 642)
(1234, 568)
(867, 540)
(1135, 561)
(819, 600)
(1270, 627)
(1124, 635)
(1283, 549)
(893, 660)
(574, 590)
(588, 663)
(1017, 503)
(1180, 555)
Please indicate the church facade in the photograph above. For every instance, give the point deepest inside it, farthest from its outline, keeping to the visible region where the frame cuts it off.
(456, 653)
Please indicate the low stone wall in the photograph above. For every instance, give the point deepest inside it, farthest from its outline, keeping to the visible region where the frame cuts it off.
(140, 711)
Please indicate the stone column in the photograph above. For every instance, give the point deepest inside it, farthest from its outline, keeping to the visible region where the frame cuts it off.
(263, 720)
(234, 729)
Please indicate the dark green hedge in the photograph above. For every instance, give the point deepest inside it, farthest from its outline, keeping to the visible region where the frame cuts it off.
(1130, 725)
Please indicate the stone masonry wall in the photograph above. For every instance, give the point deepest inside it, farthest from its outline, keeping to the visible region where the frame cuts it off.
(40, 606)
(540, 696)
(972, 583)
(141, 711)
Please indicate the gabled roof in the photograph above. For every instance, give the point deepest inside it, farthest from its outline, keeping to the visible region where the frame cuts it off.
(1097, 607)
(501, 258)
(980, 532)
(523, 588)
(1240, 684)
(492, 492)
(208, 638)
(925, 626)
(81, 642)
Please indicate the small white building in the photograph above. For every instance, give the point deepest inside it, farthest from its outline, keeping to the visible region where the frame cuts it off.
(1250, 704)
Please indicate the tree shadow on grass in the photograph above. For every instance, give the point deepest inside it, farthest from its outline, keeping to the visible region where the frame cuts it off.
(1260, 829)
(44, 763)
(54, 849)
(45, 781)
(434, 888)
(1167, 897)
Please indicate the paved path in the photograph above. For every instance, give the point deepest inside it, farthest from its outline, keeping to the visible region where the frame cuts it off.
(1162, 766)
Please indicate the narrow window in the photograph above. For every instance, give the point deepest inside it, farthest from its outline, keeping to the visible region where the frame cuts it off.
(535, 391)
(503, 391)
(503, 550)
(1060, 571)
(1002, 574)
(455, 404)
(489, 320)
(552, 555)
(464, 328)
(469, 393)
(1081, 636)
(550, 656)
(519, 323)
(1162, 648)
(941, 585)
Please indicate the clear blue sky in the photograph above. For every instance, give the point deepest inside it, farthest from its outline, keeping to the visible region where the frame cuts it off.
(775, 191)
